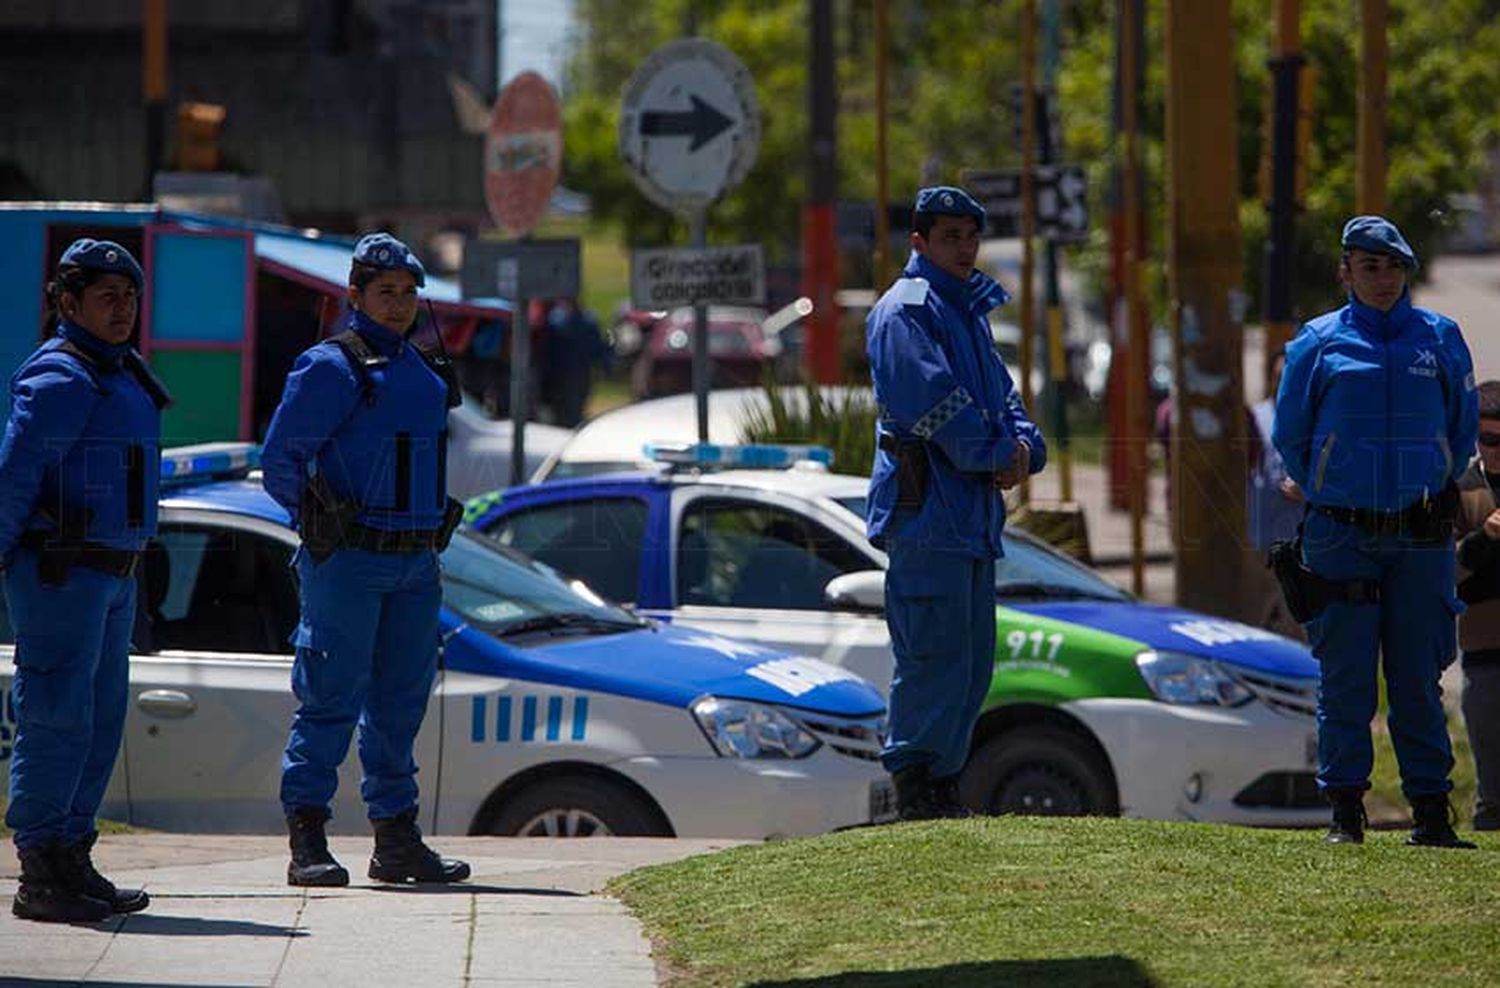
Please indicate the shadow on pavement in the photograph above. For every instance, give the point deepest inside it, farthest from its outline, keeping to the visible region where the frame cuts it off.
(1072, 972)
(152, 924)
(69, 982)
(8, 982)
(458, 888)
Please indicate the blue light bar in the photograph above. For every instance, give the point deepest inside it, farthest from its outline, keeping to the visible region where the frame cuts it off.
(753, 457)
(204, 461)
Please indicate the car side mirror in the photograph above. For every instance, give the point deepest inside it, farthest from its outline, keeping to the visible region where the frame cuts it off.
(863, 592)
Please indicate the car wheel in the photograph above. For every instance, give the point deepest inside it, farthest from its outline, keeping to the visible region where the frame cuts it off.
(1039, 771)
(578, 807)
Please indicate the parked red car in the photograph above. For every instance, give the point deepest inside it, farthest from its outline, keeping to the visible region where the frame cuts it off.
(738, 352)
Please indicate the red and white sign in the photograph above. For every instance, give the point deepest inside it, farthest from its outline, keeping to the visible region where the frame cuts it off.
(522, 153)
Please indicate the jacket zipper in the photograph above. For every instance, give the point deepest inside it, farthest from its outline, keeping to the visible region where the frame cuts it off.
(1323, 460)
(1385, 367)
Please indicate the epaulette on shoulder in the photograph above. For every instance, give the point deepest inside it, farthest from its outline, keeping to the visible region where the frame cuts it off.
(911, 291)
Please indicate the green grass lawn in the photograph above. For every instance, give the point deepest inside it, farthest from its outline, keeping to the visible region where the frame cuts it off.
(1076, 902)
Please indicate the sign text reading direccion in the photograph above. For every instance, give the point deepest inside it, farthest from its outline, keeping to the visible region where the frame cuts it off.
(715, 276)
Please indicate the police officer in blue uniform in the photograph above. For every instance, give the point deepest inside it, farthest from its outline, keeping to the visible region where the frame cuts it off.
(355, 453)
(1376, 418)
(952, 436)
(81, 458)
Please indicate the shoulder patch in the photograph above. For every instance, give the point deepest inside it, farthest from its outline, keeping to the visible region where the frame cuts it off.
(911, 291)
(1469, 384)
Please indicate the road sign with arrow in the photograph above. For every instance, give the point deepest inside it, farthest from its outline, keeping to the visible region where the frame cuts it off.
(689, 124)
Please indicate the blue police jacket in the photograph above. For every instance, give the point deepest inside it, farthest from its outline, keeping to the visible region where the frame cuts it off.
(380, 441)
(938, 379)
(1376, 409)
(82, 442)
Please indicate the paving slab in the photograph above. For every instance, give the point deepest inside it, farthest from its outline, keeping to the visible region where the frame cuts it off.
(222, 916)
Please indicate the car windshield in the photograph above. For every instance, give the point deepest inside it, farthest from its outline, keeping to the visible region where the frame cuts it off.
(1031, 568)
(499, 590)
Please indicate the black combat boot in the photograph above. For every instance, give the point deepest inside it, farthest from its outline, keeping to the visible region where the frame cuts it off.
(945, 795)
(84, 876)
(1348, 816)
(400, 855)
(914, 796)
(47, 896)
(311, 863)
(1432, 823)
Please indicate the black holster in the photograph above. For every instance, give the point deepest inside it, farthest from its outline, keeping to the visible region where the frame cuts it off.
(324, 521)
(58, 552)
(1306, 593)
(453, 516)
(911, 470)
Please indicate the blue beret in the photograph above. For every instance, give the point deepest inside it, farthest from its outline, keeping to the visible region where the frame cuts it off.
(383, 251)
(949, 200)
(1379, 236)
(102, 255)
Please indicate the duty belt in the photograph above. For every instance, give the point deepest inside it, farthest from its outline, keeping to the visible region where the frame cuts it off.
(103, 558)
(357, 536)
(1412, 520)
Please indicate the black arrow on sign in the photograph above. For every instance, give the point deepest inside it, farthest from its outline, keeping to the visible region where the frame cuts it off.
(702, 123)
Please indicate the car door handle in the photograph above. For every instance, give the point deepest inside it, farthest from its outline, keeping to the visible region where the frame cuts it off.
(166, 703)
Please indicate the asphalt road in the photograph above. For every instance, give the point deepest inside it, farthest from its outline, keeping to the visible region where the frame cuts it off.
(1466, 287)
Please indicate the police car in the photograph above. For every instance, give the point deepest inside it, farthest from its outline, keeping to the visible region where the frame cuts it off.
(554, 713)
(1099, 703)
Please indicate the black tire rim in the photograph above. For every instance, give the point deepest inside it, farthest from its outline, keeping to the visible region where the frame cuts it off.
(1041, 790)
(564, 822)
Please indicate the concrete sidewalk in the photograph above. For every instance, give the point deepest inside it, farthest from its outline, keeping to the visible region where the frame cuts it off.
(222, 915)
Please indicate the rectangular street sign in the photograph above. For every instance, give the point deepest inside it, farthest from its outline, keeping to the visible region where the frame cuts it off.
(515, 269)
(1060, 193)
(671, 277)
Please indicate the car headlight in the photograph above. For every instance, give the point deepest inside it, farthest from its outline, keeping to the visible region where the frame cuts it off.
(740, 729)
(1176, 678)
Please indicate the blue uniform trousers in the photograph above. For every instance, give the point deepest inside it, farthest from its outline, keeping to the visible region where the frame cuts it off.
(940, 607)
(366, 654)
(69, 695)
(1411, 630)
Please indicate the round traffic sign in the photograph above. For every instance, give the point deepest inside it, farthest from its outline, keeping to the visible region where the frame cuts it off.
(522, 153)
(689, 124)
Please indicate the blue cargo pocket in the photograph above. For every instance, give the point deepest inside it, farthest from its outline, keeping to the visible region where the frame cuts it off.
(919, 610)
(316, 642)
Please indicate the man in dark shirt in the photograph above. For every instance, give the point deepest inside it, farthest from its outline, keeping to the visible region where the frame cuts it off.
(1479, 588)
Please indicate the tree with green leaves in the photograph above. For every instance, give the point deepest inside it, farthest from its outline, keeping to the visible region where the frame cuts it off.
(951, 64)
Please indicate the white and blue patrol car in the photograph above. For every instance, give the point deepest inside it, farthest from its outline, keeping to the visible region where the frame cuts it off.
(553, 713)
(1099, 703)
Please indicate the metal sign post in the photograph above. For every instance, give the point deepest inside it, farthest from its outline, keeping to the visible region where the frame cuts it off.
(522, 160)
(521, 270)
(701, 368)
(690, 130)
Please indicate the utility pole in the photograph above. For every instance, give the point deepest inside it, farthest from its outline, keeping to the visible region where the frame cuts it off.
(1369, 161)
(1057, 357)
(1132, 265)
(1028, 207)
(882, 175)
(154, 85)
(1127, 196)
(1281, 245)
(819, 244)
(1208, 422)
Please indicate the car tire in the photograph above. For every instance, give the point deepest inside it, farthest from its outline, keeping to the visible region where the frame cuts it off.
(574, 806)
(1039, 771)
